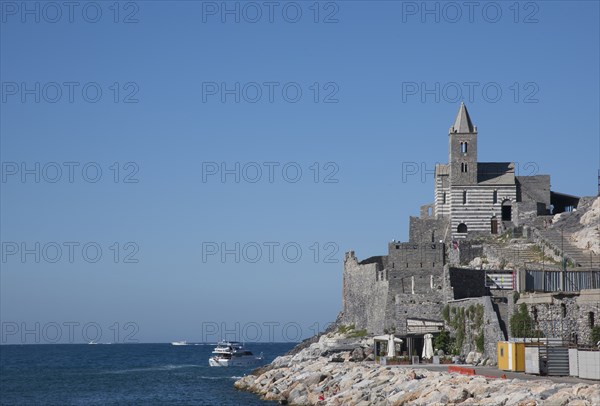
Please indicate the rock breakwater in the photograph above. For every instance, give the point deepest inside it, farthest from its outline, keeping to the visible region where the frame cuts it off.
(328, 374)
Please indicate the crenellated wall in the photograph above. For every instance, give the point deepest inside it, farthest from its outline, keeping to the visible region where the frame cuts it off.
(380, 293)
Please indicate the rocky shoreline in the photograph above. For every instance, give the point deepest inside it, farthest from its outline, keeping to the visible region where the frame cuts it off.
(336, 371)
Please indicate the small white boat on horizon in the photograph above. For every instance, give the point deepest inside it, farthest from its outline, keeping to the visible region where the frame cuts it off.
(233, 354)
(179, 342)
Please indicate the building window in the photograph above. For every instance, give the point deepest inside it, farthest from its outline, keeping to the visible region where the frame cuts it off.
(563, 308)
(464, 197)
(462, 228)
(463, 147)
(495, 197)
(465, 168)
(444, 198)
(591, 319)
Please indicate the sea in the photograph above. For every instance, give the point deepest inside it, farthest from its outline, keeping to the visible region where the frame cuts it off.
(123, 374)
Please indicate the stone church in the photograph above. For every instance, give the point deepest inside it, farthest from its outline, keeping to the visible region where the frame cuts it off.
(474, 198)
(405, 291)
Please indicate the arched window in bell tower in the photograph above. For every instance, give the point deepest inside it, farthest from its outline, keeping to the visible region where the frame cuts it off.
(463, 147)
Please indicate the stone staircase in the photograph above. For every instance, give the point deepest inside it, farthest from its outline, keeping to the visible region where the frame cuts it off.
(517, 254)
(578, 256)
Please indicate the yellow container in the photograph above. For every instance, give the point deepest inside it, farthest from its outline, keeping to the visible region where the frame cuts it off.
(511, 356)
(502, 349)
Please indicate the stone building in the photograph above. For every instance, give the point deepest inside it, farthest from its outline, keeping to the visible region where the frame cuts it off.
(377, 290)
(473, 198)
(405, 291)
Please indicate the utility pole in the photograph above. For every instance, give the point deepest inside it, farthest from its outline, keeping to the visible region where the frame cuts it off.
(562, 247)
(564, 265)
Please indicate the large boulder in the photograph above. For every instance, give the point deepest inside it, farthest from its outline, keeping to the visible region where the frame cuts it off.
(358, 354)
(473, 358)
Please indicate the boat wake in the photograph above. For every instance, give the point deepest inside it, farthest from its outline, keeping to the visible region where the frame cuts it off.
(168, 367)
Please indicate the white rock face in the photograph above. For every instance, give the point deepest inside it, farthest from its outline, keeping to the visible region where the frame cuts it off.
(589, 236)
(367, 383)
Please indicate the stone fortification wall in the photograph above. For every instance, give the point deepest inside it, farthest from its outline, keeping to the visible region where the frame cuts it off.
(364, 296)
(472, 327)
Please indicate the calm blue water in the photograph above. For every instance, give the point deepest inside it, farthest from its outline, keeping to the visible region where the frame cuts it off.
(122, 374)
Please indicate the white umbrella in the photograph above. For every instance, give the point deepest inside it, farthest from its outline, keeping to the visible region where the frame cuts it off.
(391, 343)
(427, 347)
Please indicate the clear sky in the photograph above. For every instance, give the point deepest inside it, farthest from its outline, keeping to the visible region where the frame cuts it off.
(201, 124)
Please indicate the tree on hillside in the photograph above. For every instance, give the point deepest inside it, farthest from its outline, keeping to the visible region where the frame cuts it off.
(522, 325)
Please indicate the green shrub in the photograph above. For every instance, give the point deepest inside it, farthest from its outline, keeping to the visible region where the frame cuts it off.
(442, 342)
(479, 342)
(522, 325)
(343, 329)
(446, 313)
(358, 333)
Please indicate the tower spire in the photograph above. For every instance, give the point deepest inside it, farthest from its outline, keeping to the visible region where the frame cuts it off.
(463, 123)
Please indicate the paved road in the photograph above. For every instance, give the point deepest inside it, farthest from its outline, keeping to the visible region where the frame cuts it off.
(495, 372)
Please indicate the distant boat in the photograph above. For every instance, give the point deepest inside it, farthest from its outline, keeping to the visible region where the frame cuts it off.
(179, 343)
(233, 354)
(92, 342)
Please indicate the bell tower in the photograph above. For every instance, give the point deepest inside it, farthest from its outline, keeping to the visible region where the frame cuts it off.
(463, 149)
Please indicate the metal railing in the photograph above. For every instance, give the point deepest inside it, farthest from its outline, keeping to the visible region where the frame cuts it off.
(561, 281)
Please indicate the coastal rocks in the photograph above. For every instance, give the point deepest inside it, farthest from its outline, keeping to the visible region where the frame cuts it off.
(473, 358)
(357, 355)
(318, 381)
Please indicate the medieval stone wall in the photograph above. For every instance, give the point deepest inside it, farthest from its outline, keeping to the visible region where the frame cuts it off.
(492, 332)
(569, 316)
(422, 230)
(364, 296)
(534, 188)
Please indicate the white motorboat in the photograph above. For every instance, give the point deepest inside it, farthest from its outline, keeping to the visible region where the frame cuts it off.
(179, 343)
(233, 354)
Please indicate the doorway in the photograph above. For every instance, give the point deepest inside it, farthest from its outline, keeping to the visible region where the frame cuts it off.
(506, 210)
(494, 225)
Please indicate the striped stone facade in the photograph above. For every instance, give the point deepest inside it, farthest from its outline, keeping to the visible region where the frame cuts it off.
(472, 201)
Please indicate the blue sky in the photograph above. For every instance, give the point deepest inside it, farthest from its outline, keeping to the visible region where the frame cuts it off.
(390, 77)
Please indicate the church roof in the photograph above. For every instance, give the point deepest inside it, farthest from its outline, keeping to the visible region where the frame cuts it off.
(499, 173)
(463, 123)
